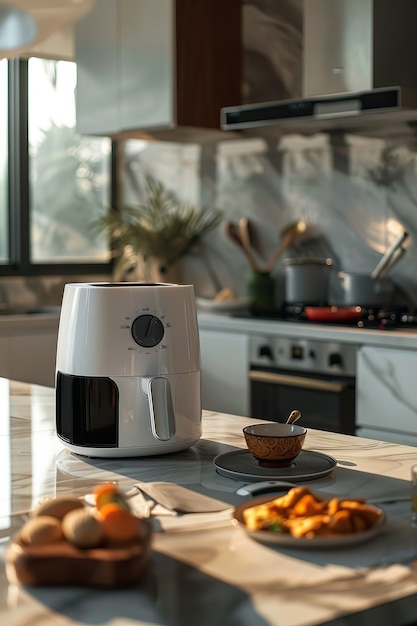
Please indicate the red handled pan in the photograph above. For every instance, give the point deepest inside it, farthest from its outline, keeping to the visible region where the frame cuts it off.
(333, 313)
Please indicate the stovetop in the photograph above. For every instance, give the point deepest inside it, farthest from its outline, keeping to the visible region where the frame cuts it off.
(390, 318)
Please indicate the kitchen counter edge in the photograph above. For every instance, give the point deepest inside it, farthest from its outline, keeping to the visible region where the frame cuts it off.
(394, 338)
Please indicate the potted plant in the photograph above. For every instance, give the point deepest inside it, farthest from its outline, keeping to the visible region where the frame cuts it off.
(149, 240)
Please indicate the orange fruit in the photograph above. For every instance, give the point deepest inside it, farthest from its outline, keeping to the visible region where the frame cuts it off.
(118, 523)
(109, 492)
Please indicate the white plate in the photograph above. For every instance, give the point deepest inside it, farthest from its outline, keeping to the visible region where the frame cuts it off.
(222, 306)
(288, 541)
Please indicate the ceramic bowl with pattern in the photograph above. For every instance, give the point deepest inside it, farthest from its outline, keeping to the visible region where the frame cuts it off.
(274, 444)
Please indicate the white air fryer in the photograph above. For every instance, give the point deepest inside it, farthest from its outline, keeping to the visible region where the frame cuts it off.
(128, 369)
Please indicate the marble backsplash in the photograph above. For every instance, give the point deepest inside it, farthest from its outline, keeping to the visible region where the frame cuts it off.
(357, 192)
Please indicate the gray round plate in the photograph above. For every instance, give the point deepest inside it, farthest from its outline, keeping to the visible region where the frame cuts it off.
(308, 465)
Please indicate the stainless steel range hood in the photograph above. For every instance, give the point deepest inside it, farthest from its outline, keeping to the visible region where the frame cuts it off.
(359, 71)
(358, 111)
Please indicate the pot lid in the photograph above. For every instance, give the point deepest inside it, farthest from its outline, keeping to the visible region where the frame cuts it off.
(307, 261)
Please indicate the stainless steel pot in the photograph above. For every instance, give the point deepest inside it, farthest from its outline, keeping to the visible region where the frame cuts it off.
(363, 290)
(307, 280)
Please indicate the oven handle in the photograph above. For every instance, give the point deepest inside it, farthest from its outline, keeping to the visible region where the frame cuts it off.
(297, 381)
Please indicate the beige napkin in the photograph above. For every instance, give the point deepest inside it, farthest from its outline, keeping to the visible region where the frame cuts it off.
(196, 522)
(180, 499)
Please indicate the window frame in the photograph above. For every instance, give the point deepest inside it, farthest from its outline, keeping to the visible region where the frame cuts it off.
(18, 187)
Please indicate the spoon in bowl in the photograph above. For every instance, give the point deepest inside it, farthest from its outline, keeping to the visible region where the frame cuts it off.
(294, 416)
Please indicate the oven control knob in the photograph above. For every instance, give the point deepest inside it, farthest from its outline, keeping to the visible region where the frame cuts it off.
(266, 351)
(335, 358)
(147, 330)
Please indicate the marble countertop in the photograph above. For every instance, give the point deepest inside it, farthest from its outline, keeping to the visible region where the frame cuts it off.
(399, 337)
(210, 571)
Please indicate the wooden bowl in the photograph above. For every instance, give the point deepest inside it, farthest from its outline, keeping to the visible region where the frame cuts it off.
(274, 444)
(57, 564)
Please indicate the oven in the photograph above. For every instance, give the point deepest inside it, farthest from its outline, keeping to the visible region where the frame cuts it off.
(314, 376)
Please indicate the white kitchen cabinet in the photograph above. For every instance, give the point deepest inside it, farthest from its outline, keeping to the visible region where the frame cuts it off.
(28, 348)
(225, 381)
(386, 376)
(386, 394)
(156, 64)
(32, 358)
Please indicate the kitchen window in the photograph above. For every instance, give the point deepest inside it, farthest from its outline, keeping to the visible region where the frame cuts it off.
(53, 182)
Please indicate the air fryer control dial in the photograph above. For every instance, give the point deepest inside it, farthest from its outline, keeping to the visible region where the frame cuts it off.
(147, 330)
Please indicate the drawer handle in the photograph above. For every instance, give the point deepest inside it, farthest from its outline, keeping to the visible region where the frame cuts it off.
(297, 381)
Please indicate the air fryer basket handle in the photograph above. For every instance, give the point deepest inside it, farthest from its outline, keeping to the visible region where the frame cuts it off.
(161, 409)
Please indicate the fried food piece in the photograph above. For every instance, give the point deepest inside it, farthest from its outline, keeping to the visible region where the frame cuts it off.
(307, 505)
(302, 514)
(307, 526)
(288, 500)
(333, 506)
(368, 512)
(341, 522)
(262, 516)
(359, 524)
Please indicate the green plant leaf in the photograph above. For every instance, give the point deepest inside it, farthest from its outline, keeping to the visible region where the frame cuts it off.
(161, 228)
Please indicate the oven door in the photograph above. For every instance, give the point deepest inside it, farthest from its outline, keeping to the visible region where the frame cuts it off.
(326, 402)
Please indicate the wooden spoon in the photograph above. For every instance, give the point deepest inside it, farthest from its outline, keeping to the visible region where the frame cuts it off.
(247, 243)
(294, 416)
(232, 232)
(294, 232)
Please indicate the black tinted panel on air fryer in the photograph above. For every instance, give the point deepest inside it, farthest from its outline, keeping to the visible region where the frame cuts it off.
(87, 410)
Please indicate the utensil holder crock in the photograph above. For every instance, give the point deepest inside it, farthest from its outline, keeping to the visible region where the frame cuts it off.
(261, 293)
